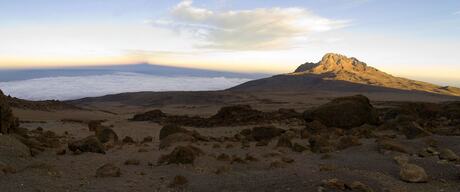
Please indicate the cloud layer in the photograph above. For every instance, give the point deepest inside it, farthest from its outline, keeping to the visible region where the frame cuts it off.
(261, 28)
(65, 88)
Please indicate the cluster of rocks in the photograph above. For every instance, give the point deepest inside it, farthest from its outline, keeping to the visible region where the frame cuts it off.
(226, 116)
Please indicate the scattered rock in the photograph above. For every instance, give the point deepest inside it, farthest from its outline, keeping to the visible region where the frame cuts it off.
(181, 155)
(392, 145)
(335, 184)
(262, 143)
(223, 157)
(449, 155)
(413, 130)
(249, 157)
(88, 144)
(275, 164)
(108, 170)
(327, 167)
(348, 141)
(287, 160)
(413, 173)
(401, 159)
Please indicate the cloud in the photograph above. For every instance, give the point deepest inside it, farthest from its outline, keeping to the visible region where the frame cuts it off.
(261, 28)
(65, 88)
(457, 13)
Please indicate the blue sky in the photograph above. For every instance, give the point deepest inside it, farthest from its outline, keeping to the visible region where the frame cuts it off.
(412, 38)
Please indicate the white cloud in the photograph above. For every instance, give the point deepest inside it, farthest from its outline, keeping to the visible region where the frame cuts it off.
(457, 13)
(65, 88)
(261, 28)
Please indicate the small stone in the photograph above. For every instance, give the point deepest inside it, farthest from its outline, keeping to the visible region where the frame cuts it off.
(132, 162)
(447, 154)
(178, 181)
(357, 186)
(413, 173)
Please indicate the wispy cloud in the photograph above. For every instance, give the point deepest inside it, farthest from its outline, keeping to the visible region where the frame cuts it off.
(456, 13)
(261, 28)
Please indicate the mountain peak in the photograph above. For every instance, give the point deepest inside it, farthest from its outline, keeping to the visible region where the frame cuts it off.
(334, 63)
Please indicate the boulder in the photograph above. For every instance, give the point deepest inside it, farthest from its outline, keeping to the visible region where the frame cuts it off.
(172, 129)
(155, 115)
(413, 130)
(7, 120)
(449, 155)
(128, 140)
(88, 144)
(106, 135)
(181, 155)
(344, 112)
(108, 170)
(147, 139)
(413, 173)
(284, 141)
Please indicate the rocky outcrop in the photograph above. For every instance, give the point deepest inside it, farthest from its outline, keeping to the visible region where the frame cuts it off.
(7, 120)
(88, 144)
(344, 112)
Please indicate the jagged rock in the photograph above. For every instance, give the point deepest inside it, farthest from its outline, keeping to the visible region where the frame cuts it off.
(348, 141)
(181, 155)
(108, 170)
(344, 112)
(413, 174)
(155, 115)
(106, 135)
(7, 120)
(88, 144)
(447, 154)
(266, 133)
(176, 138)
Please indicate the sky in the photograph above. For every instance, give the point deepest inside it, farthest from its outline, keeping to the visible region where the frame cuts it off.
(413, 38)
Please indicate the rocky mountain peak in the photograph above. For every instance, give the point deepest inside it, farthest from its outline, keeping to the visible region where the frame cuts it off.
(334, 63)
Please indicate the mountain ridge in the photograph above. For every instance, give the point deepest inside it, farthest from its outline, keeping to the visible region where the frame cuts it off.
(342, 70)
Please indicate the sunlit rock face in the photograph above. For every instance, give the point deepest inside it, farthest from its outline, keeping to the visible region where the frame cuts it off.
(339, 67)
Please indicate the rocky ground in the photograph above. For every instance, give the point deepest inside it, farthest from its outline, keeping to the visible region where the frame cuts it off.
(343, 144)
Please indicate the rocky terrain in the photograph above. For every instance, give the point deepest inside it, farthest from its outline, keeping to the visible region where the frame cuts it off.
(236, 142)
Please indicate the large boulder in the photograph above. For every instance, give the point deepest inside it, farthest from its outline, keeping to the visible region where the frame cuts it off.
(344, 112)
(176, 138)
(88, 144)
(7, 120)
(106, 135)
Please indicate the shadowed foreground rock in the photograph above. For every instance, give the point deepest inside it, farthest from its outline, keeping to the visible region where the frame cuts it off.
(181, 155)
(88, 144)
(108, 170)
(7, 120)
(413, 173)
(344, 112)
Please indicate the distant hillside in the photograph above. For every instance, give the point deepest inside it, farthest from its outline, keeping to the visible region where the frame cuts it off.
(339, 73)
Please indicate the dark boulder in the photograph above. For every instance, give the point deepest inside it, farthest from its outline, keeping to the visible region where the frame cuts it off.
(266, 133)
(172, 129)
(88, 144)
(8, 123)
(181, 155)
(344, 112)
